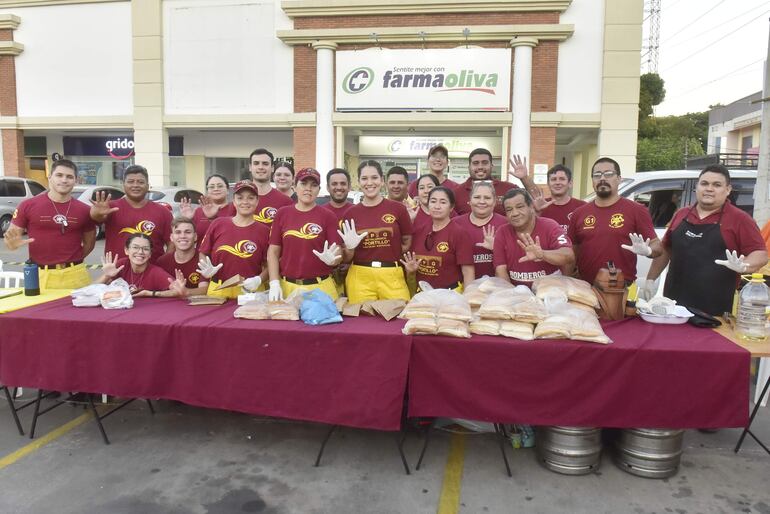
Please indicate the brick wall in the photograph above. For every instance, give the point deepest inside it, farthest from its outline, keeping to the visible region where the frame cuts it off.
(12, 140)
(304, 148)
(13, 152)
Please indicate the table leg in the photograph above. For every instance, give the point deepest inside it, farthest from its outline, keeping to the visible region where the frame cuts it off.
(747, 430)
(323, 445)
(12, 406)
(426, 433)
(400, 445)
(502, 439)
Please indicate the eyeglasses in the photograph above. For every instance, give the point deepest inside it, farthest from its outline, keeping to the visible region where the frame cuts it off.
(211, 187)
(140, 249)
(603, 174)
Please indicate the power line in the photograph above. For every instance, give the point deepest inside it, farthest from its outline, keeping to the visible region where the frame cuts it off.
(691, 23)
(718, 40)
(722, 77)
(719, 25)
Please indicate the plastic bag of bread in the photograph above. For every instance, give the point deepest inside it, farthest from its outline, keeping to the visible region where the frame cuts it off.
(499, 305)
(452, 328)
(283, 311)
(560, 286)
(586, 327)
(491, 284)
(484, 327)
(583, 307)
(417, 326)
(531, 310)
(117, 295)
(428, 304)
(517, 330)
(555, 326)
(254, 309)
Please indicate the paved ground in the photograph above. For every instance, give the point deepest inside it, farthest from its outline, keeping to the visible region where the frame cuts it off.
(189, 460)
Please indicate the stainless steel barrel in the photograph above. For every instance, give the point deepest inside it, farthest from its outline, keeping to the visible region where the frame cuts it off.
(569, 450)
(650, 453)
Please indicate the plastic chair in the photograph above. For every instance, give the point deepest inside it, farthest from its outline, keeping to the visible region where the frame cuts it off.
(9, 279)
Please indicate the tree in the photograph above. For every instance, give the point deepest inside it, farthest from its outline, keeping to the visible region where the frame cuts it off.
(651, 93)
(666, 152)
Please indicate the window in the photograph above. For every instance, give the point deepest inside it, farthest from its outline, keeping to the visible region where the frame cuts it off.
(742, 195)
(115, 194)
(191, 194)
(718, 144)
(15, 188)
(154, 196)
(661, 197)
(35, 188)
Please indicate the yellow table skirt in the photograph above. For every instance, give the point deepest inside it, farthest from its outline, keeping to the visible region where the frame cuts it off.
(20, 301)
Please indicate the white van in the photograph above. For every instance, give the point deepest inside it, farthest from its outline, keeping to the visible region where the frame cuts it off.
(663, 192)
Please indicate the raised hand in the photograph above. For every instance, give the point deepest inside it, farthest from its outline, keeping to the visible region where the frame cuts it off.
(185, 208)
(733, 262)
(410, 262)
(13, 238)
(489, 237)
(538, 199)
(519, 166)
(413, 211)
(210, 209)
(639, 245)
(110, 265)
(349, 236)
(100, 206)
(206, 268)
(330, 255)
(533, 252)
(178, 284)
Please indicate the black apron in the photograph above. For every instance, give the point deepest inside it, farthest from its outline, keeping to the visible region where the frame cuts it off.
(694, 279)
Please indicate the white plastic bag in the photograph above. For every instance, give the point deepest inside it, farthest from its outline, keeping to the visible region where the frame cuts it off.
(117, 296)
(88, 296)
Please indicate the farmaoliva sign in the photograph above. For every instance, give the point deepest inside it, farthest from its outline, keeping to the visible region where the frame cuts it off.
(452, 79)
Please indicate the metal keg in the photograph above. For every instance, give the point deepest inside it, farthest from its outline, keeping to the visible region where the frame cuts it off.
(569, 450)
(648, 452)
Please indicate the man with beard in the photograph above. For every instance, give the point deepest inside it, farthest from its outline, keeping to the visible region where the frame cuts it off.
(561, 204)
(338, 184)
(270, 199)
(61, 233)
(480, 168)
(601, 230)
(132, 214)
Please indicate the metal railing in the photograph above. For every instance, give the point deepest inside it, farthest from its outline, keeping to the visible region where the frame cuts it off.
(736, 161)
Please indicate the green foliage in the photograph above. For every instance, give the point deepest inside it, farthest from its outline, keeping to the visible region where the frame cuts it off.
(666, 152)
(651, 93)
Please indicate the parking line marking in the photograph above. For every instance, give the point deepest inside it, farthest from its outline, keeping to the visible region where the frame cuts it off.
(449, 501)
(42, 441)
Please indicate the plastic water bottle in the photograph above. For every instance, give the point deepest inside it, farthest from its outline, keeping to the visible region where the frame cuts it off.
(754, 299)
(31, 279)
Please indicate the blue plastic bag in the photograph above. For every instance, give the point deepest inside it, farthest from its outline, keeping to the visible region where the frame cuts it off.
(318, 308)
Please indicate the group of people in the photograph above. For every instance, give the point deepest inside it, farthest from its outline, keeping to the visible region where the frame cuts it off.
(431, 231)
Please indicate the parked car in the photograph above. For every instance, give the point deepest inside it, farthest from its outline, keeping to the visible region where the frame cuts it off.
(87, 195)
(656, 189)
(170, 197)
(12, 191)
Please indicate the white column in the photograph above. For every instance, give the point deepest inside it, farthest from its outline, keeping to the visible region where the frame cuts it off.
(324, 130)
(521, 95)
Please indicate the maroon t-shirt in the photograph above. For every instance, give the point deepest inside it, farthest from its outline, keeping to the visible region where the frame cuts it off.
(463, 195)
(153, 278)
(561, 214)
(508, 252)
(739, 230)
(599, 231)
(241, 250)
(412, 190)
(423, 218)
(441, 254)
(482, 257)
(339, 212)
(152, 219)
(298, 234)
(269, 204)
(44, 219)
(202, 223)
(189, 269)
(386, 222)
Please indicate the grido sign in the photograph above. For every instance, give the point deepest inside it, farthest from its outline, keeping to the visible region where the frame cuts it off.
(452, 79)
(120, 148)
(117, 147)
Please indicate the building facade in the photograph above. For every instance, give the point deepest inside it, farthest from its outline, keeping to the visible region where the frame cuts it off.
(189, 87)
(734, 132)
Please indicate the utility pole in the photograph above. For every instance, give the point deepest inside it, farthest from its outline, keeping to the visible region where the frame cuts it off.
(762, 190)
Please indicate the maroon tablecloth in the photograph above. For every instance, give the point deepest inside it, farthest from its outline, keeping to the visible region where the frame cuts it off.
(351, 374)
(655, 376)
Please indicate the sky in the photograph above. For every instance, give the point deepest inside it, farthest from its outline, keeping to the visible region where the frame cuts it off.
(710, 51)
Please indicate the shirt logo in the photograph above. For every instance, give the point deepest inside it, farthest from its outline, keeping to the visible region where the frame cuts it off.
(15, 213)
(266, 215)
(589, 221)
(388, 218)
(308, 231)
(194, 277)
(443, 247)
(429, 265)
(616, 220)
(693, 234)
(143, 227)
(243, 249)
(60, 219)
(378, 237)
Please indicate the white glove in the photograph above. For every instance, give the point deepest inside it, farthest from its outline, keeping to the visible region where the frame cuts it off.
(349, 236)
(646, 288)
(638, 245)
(206, 268)
(330, 255)
(275, 294)
(251, 284)
(733, 262)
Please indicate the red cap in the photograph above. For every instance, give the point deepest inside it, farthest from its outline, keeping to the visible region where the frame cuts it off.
(245, 184)
(306, 173)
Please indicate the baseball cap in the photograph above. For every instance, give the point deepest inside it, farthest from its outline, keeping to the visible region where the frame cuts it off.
(438, 148)
(245, 184)
(306, 173)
